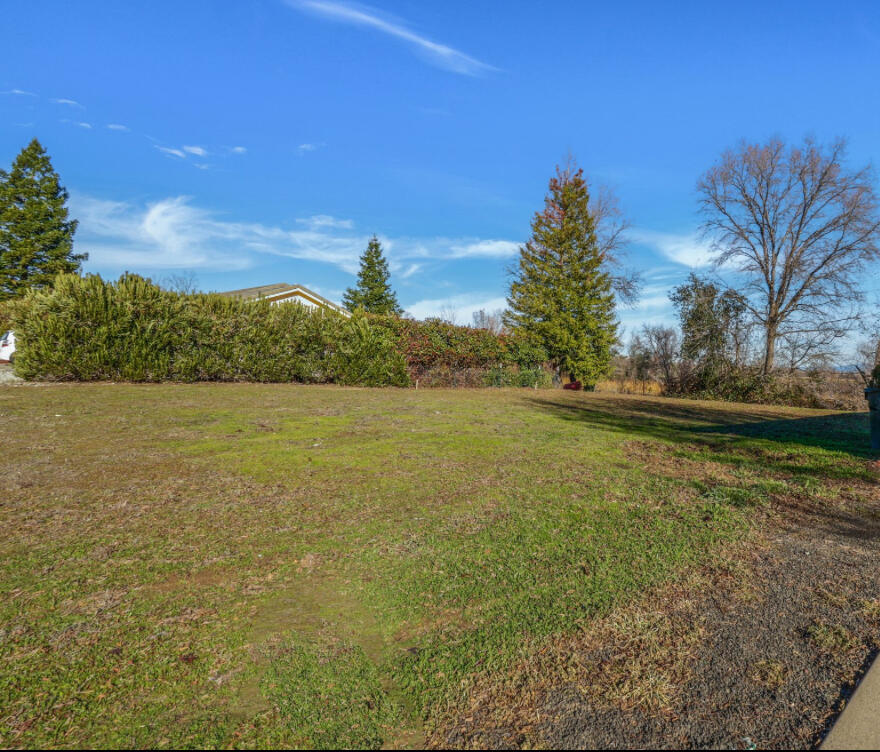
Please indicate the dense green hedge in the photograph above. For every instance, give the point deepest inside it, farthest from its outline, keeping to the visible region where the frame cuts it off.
(131, 330)
(87, 329)
(5, 317)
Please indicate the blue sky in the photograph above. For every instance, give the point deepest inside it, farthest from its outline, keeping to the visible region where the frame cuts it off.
(259, 141)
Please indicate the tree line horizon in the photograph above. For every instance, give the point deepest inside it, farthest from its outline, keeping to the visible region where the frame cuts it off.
(792, 227)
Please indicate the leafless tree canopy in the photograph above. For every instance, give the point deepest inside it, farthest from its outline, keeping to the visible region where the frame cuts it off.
(800, 228)
(611, 227)
(493, 321)
(663, 344)
(868, 355)
(184, 282)
(448, 314)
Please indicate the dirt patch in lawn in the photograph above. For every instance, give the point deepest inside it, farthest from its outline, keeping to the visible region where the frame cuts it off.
(762, 648)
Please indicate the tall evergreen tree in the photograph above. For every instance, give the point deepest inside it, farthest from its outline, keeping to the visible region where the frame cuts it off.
(373, 292)
(561, 294)
(36, 236)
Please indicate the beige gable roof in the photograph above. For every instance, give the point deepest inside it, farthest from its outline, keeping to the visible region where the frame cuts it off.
(282, 291)
(252, 293)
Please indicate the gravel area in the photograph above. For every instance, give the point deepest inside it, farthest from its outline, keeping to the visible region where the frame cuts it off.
(810, 627)
(781, 646)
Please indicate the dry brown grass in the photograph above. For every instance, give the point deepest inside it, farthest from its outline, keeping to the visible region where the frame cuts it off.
(630, 386)
(770, 674)
(871, 608)
(832, 638)
(640, 657)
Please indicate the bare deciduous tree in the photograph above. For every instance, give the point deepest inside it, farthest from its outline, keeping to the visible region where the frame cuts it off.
(611, 227)
(493, 321)
(800, 228)
(812, 350)
(448, 314)
(185, 283)
(663, 343)
(867, 355)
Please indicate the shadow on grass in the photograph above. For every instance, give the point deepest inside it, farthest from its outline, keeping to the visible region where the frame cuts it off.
(676, 420)
(757, 439)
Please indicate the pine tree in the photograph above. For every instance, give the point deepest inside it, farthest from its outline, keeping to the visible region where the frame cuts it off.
(561, 295)
(373, 293)
(36, 236)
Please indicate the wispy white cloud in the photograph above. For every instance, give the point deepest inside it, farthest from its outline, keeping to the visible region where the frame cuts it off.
(653, 306)
(632, 321)
(655, 297)
(20, 93)
(443, 249)
(686, 249)
(486, 249)
(171, 152)
(168, 234)
(325, 221)
(118, 127)
(200, 152)
(173, 233)
(438, 54)
(69, 102)
(408, 271)
(306, 148)
(87, 126)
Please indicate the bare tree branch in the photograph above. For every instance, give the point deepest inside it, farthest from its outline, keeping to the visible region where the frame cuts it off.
(800, 228)
(611, 227)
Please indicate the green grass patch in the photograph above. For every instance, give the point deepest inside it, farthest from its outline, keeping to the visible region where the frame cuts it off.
(274, 566)
(328, 696)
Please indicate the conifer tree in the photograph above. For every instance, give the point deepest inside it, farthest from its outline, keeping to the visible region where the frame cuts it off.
(36, 236)
(561, 295)
(373, 292)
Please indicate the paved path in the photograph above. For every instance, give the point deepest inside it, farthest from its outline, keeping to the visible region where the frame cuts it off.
(859, 725)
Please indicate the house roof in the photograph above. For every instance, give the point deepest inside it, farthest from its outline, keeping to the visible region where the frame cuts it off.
(281, 290)
(263, 291)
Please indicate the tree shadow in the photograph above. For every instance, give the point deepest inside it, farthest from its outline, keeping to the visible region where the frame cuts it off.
(680, 420)
(841, 432)
(755, 438)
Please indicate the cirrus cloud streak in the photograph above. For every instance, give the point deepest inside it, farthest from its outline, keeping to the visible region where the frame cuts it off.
(441, 55)
(172, 233)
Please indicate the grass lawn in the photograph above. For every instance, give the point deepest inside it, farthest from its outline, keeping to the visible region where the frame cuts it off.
(273, 565)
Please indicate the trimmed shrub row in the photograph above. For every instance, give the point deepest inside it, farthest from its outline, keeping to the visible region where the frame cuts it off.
(88, 329)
